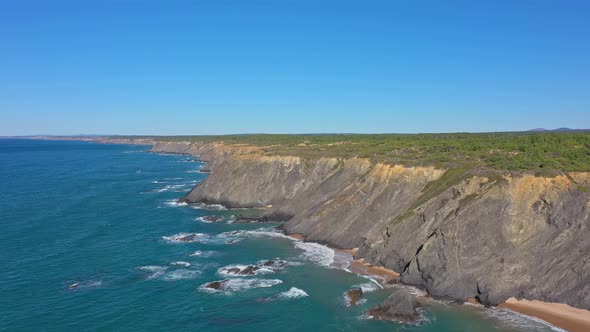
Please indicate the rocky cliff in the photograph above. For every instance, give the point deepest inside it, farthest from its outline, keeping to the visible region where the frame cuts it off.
(456, 234)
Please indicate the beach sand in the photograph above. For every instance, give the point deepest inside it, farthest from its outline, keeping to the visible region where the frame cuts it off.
(297, 236)
(561, 315)
(384, 275)
(360, 267)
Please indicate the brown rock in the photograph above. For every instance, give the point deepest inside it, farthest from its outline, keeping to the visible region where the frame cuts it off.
(354, 296)
(401, 306)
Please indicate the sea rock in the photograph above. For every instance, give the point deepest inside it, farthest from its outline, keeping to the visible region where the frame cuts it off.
(401, 306)
(187, 238)
(240, 219)
(354, 296)
(250, 270)
(217, 285)
(278, 264)
(233, 270)
(212, 218)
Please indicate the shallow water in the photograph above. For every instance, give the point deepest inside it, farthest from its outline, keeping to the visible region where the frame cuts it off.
(104, 218)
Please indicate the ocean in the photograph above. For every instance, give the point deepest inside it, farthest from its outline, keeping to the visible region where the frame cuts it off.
(92, 240)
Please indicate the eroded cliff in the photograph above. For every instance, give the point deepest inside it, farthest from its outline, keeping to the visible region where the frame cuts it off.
(457, 234)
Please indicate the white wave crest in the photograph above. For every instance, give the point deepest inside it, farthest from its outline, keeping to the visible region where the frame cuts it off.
(261, 267)
(167, 274)
(174, 203)
(293, 293)
(180, 275)
(214, 207)
(209, 219)
(204, 254)
(181, 263)
(184, 237)
(316, 253)
(155, 271)
(515, 320)
(368, 287)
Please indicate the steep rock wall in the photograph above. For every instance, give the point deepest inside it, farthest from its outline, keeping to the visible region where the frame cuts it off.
(477, 236)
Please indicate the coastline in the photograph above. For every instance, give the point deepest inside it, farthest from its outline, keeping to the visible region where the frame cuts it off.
(557, 314)
(358, 266)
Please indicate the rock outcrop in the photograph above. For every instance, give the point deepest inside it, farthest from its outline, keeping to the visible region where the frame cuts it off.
(401, 306)
(455, 234)
(353, 296)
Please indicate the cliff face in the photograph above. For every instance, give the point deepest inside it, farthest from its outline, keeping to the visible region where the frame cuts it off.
(456, 236)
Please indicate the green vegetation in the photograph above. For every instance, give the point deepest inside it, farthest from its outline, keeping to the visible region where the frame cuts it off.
(434, 188)
(523, 151)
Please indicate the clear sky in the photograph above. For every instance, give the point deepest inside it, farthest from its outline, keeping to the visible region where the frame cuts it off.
(278, 66)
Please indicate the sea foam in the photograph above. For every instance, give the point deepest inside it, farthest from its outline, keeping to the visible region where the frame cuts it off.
(316, 253)
(184, 237)
(293, 293)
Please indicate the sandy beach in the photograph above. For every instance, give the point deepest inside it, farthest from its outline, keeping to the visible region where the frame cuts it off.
(384, 275)
(297, 236)
(559, 314)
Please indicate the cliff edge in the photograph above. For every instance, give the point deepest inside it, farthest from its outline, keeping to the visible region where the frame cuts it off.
(454, 232)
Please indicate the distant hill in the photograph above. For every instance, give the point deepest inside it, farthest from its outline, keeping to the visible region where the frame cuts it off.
(557, 130)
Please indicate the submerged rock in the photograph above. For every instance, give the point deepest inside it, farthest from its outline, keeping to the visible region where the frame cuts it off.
(354, 296)
(212, 218)
(274, 264)
(401, 306)
(268, 266)
(187, 238)
(217, 285)
(250, 270)
(233, 270)
(239, 219)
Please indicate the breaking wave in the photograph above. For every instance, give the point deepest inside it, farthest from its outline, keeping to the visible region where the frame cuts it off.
(180, 275)
(368, 287)
(167, 274)
(184, 237)
(262, 267)
(174, 203)
(316, 253)
(154, 271)
(202, 206)
(181, 263)
(293, 293)
(204, 254)
(515, 320)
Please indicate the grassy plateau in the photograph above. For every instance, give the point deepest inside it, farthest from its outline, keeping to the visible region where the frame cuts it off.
(521, 151)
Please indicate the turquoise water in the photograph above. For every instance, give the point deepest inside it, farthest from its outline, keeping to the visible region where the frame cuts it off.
(103, 217)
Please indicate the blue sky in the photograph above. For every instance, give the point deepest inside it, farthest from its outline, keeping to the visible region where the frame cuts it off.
(277, 66)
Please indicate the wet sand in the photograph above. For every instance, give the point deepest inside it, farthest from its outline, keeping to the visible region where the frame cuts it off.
(561, 315)
(382, 274)
(297, 236)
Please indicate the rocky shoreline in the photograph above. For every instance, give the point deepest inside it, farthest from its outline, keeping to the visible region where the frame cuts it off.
(457, 237)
